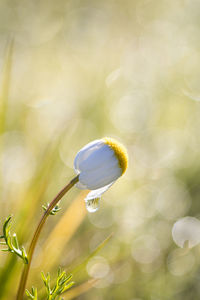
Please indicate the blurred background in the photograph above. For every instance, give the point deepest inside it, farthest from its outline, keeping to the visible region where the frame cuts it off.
(73, 71)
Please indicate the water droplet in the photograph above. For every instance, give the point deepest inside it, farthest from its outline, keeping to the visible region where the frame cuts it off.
(92, 205)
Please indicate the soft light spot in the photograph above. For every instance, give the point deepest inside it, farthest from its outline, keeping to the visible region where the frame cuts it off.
(112, 77)
(186, 230)
(145, 249)
(172, 194)
(102, 218)
(98, 267)
(122, 273)
(105, 282)
(17, 161)
(180, 264)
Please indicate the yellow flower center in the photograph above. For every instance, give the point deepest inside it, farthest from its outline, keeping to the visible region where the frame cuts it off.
(120, 152)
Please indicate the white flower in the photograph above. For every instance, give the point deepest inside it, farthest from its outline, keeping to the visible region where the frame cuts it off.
(186, 232)
(99, 164)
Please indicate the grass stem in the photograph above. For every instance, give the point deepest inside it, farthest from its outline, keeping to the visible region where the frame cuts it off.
(24, 277)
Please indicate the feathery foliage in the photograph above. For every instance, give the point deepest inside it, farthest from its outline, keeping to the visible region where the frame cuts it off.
(63, 283)
(11, 241)
(54, 211)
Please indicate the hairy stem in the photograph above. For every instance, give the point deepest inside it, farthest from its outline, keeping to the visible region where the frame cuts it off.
(53, 203)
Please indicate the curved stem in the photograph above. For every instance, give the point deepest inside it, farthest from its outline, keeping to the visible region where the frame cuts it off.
(53, 203)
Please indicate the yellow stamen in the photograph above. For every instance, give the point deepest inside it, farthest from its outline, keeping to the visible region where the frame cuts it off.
(120, 152)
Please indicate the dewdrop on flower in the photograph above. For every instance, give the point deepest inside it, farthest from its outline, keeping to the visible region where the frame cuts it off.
(99, 164)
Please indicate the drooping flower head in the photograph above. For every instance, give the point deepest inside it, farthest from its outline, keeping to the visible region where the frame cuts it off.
(99, 164)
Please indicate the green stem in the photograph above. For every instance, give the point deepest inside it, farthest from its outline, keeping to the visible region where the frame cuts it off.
(53, 203)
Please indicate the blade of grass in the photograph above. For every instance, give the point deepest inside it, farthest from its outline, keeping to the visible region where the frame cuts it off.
(5, 84)
(8, 268)
(83, 264)
(79, 290)
(63, 231)
(93, 253)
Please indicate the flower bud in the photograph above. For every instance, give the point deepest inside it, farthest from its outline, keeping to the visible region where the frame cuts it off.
(99, 164)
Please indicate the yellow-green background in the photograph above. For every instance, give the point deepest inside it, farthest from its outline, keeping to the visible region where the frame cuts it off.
(74, 71)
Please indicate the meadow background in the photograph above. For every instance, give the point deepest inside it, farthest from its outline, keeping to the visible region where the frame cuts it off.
(74, 71)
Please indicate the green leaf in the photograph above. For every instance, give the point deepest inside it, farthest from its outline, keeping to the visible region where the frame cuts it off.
(62, 284)
(2, 243)
(12, 242)
(15, 241)
(32, 295)
(67, 287)
(6, 226)
(54, 210)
